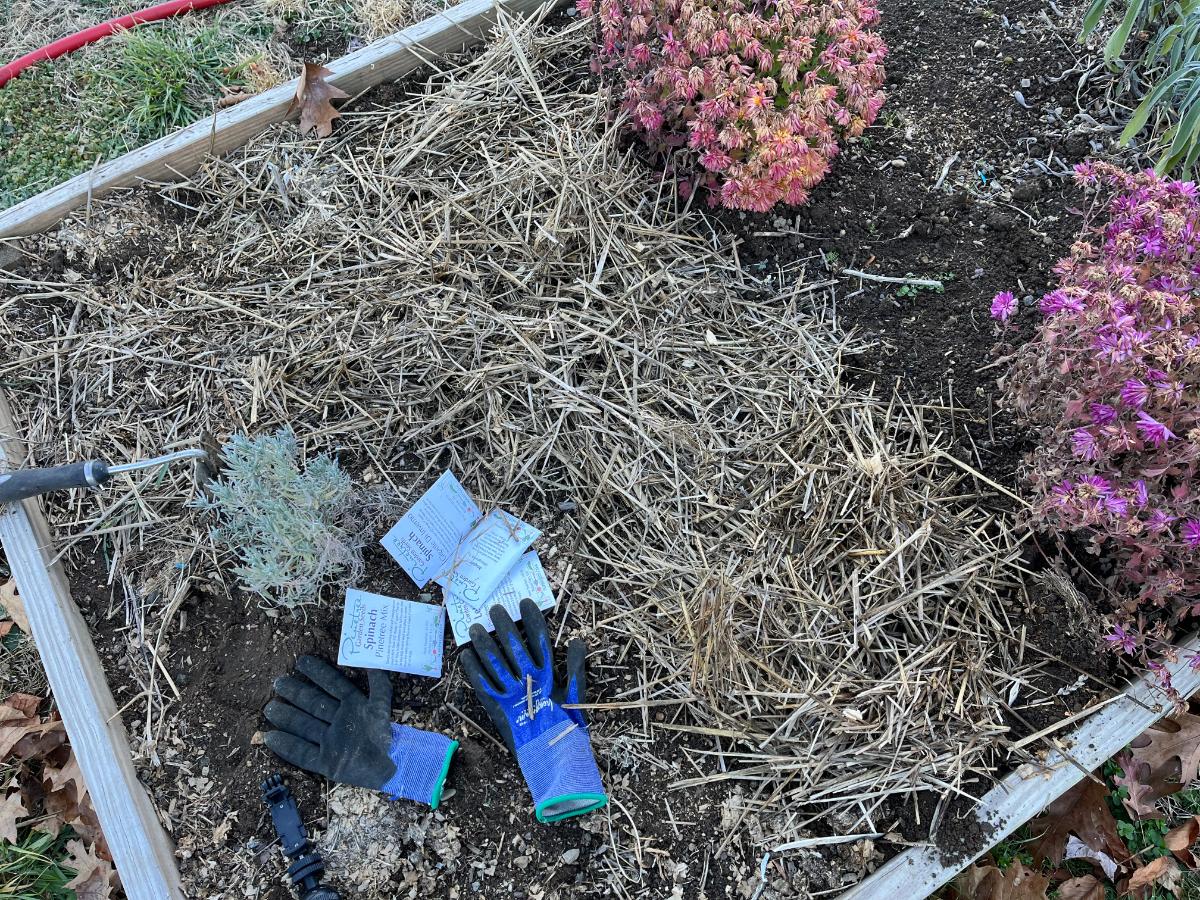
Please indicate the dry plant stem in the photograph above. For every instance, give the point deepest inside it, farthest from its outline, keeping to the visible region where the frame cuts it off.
(814, 593)
(888, 279)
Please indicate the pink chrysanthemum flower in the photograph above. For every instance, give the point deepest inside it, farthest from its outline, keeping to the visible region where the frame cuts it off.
(746, 100)
(1004, 304)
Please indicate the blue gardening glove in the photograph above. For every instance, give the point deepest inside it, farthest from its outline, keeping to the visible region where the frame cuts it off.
(329, 727)
(515, 683)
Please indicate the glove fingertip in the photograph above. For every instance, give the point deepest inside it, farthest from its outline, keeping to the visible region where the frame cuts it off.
(576, 669)
(473, 668)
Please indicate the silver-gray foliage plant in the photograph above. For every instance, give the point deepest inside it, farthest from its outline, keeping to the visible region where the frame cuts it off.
(295, 532)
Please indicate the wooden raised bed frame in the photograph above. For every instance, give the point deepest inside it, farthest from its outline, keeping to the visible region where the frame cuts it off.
(141, 849)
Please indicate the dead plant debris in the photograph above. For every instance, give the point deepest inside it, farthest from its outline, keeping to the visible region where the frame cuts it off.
(806, 590)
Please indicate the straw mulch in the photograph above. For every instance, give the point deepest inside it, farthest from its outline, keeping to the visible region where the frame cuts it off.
(811, 594)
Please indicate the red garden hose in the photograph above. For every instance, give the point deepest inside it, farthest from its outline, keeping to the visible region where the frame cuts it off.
(103, 30)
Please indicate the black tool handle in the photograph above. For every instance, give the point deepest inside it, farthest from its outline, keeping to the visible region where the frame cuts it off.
(18, 485)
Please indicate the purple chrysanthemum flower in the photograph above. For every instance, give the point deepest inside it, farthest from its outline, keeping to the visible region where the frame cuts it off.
(1094, 486)
(1083, 443)
(1135, 392)
(1191, 533)
(1123, 639)
(1153, 244)
(1116, 506)
(1140, 492)
(1004, 304)
(1063, 492)
(1103, 414)
(1153, 430)
(1160, 522)
(1051, 303)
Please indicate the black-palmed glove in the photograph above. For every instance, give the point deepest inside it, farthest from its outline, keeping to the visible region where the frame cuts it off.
(329, 727)
(515, 683)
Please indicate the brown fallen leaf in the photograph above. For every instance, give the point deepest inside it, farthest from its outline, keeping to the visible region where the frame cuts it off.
(26, 704)
(70, 772)
(1017, 882)
(314, 96)
(1085, 887)
(1163, 872)
(11, 809)
(1082, 811)
(40, 742)
(1140, 802)
(1171, 753)
(18, 718)
(12, 604)
(1181, 839)
(93, 876)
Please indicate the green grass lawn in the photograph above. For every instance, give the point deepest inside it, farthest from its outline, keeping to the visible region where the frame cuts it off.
(66, 116)
(32, 868)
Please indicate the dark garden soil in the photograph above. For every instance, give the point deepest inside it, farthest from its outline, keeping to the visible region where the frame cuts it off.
(967, 182)
(963, 180)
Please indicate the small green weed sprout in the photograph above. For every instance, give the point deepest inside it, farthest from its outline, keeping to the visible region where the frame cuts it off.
(295, 532)
(908, 291)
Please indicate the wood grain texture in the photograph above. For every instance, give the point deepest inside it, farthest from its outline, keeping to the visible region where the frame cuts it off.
(143, 853)
(179, 154)
(918, 872)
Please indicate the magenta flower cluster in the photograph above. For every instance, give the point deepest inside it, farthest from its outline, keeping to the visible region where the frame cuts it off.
(1111, 381)
(747, 100)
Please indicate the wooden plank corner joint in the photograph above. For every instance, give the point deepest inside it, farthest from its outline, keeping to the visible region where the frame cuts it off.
(920, 871)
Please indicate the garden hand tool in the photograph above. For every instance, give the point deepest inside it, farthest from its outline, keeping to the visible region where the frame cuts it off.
(329, 727)
(306, 867)
(92, 473)
(515, 683)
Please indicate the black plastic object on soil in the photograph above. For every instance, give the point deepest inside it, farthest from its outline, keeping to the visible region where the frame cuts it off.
(306, 867)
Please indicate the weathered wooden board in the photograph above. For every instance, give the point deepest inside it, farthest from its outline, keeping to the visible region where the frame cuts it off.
(143, 853)
(179, 154)
(919, 872)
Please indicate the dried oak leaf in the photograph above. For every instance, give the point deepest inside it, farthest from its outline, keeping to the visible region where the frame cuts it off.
(70, 772)
(11, 809)
(1017, 882)
(1171, 754)
(93, 876)
(313, 96)
(1181, 839)
(12, 604)
(18, 718)
(1140, 802)
(25, 704)
(40, 743)
(1081, 811)
(1085, 887)
(1163, 872)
